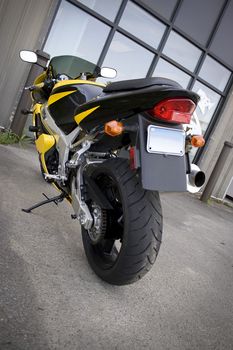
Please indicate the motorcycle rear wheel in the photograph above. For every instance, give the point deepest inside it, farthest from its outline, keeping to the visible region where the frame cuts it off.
(134, 228)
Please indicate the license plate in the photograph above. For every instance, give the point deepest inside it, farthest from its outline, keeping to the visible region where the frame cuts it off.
(165, 140)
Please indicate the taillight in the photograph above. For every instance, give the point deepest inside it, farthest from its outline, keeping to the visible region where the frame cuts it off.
(174, 110)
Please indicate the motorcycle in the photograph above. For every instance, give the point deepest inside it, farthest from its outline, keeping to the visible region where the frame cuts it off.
(110, 149)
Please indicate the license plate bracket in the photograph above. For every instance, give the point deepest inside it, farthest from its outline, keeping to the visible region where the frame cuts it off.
(167, 141)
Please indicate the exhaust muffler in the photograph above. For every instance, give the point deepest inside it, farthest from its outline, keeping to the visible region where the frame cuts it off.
(196, 179)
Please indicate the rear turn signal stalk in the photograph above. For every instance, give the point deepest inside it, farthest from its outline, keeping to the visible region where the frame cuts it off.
(174, 110)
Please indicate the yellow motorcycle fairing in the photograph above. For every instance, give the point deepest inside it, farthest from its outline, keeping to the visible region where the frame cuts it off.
(36, 111)
(37, 95)
(59, 91)
(40, 78)
(54, 98)
(37, 108)
(63, 83)
(79, 117)
(43, 144)
(65, 99)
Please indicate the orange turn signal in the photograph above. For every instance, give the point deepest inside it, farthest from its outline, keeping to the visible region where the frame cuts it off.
(197, 141)
(113, 128)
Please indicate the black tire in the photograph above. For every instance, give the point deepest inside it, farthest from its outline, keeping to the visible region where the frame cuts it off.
(140, 232)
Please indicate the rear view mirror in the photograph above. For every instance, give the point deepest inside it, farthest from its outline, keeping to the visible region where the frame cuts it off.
(28, 56)
(107, 72)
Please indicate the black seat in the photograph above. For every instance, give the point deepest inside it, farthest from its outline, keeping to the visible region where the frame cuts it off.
(134, 84)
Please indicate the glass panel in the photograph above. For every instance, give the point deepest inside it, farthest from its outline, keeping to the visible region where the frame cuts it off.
(74, 33)
(167, 70)
(142, 25)
(214, 73)
(182, 51)
(207, 104)
(221, 44)
(164, 8)
(192, 18)
(129, 59)
(105, 8)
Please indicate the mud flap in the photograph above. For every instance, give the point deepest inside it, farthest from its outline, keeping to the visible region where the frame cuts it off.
(160, 172)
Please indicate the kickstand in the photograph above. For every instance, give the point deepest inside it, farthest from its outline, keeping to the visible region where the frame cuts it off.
(56, 200)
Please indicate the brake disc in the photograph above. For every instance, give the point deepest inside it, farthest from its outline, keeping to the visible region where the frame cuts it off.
(99, 228)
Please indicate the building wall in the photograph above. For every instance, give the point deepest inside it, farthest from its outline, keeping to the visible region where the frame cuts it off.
(223, 132)
(161, 34)
(23, 25)
(199, 56)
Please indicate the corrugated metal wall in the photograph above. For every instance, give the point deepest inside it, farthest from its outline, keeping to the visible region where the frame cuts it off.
(23, 25)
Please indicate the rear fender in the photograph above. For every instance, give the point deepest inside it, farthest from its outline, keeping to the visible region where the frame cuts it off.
(159, 172)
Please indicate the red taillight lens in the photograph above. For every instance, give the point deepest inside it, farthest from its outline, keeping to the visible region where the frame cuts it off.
(175, 110)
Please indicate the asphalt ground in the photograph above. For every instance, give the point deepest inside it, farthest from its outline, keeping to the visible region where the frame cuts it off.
(51, 299)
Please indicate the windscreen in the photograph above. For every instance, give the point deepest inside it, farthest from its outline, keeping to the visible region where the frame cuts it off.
(72, 66)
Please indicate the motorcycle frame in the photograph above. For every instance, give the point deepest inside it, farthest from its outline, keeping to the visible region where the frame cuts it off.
(64, 144)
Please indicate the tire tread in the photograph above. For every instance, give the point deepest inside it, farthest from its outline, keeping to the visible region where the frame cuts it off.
(144, 227)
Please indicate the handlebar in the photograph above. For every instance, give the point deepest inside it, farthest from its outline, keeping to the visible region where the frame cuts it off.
(39, 86)
(35, 87)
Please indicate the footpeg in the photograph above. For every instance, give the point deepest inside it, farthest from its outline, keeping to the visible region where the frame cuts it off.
(26, 111)
(52, 177)
(33, 128)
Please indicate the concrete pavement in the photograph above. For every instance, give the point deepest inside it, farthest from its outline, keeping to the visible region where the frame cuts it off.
(51, 299)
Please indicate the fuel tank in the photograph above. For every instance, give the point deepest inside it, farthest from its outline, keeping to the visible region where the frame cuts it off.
(90, 104)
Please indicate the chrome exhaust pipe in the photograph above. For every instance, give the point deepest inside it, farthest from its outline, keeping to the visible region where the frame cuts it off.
(196, 179)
